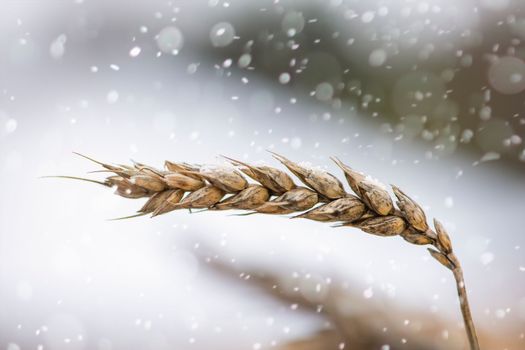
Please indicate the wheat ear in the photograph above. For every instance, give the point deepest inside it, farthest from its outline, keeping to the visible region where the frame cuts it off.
(322, 198)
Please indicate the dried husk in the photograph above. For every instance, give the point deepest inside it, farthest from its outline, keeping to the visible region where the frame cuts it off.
(376, 198)
(228, 180)
(441, 258)
(126, 189)
(125, 171)
(352, 177)
(411, 210)
(250, 198)
(202, 198)
(413, 236)
(155, 201)
(322, 182)
(382, 225)
(298, 199)
(170, 203)
(183, 182)
(178, 167)
(149, 170)
(346, 209)
(443, 237)
(148, 182)
(277, 181)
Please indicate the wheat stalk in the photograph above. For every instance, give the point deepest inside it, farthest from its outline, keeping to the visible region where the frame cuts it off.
(323, 198)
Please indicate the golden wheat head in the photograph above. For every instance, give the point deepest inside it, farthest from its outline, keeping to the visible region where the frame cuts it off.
(321, 197)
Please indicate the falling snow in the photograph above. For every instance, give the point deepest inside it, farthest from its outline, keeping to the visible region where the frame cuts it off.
(135, 51)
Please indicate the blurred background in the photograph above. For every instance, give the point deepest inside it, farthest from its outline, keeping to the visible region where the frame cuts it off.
(424, 94)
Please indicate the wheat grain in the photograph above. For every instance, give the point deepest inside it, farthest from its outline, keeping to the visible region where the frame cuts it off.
(186, 186)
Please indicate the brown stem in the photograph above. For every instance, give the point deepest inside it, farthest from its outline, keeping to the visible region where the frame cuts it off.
(465, 308)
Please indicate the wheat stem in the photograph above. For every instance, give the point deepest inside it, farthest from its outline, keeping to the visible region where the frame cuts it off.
(322, 198)
(465, 308)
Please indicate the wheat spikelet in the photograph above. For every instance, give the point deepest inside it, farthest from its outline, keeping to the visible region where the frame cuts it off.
(322, 198)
